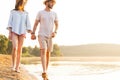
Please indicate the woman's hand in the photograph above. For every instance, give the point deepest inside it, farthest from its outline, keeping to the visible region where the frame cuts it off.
(29, 31)
(10, 35)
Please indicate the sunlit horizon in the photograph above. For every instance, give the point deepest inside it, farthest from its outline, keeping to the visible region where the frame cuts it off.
(80, 21)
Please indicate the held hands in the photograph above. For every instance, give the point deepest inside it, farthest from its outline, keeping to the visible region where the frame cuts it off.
(33, 37)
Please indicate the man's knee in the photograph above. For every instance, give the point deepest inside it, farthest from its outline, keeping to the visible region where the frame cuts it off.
(42, 51)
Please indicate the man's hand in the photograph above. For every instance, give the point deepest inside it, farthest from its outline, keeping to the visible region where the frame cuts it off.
(53, 34)
(33, 37)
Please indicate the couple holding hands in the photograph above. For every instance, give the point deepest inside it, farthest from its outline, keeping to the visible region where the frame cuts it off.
(19, 23)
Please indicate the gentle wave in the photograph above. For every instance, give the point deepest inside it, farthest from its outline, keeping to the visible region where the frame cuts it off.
(75, 70)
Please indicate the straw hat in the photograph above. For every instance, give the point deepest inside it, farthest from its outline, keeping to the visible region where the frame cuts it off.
(17, 1)
(49, 0)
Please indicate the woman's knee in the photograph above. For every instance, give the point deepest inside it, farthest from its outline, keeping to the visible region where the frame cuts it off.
(14, 48)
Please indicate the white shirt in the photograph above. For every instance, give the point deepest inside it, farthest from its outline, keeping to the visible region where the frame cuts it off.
(19, 22)
(46, 20)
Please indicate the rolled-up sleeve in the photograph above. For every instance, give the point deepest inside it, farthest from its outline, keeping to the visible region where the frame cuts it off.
(10, 21)
(28, 25)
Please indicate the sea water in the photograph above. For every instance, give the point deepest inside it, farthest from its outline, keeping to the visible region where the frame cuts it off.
(76, 70)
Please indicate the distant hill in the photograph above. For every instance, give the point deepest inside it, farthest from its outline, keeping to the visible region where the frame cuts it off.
(91, 50)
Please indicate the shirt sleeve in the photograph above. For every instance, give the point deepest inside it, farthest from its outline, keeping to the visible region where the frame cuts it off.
(56, 17)
(10, 21)
(38, 16)
(28, 25)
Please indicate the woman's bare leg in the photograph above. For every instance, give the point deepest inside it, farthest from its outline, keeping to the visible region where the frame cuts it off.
(14, 50)
(19, 51)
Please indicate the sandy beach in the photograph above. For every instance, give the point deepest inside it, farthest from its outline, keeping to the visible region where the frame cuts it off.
(63, 68)
(7, 74)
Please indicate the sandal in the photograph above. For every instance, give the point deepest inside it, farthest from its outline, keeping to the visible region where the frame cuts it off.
(44, 75)
(18, 71)
(12, 69)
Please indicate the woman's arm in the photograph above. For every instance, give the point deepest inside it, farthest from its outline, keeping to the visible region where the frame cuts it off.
(28, 25)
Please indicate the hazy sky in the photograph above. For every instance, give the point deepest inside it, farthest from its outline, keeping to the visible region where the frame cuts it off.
(80, 21)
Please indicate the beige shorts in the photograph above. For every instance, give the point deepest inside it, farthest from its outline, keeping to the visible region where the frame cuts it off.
(45, 43)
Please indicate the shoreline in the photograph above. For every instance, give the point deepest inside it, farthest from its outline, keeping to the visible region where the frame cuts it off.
(7, 74)
(77, 70)
(36, 60)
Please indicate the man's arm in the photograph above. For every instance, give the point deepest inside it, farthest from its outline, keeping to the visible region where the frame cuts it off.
(56, 26)
(35, 26)
(55, 30)
(34, 29)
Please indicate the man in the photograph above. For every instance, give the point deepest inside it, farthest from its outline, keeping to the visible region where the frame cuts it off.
(48, 29)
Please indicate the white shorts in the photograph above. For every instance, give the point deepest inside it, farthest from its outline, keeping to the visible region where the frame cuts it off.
(45, 43)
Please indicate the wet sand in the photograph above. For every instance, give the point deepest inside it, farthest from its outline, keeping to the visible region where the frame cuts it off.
(79, 68)
(90, 68)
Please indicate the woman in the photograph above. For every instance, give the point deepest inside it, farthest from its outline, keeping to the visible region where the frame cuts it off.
(17, 26)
